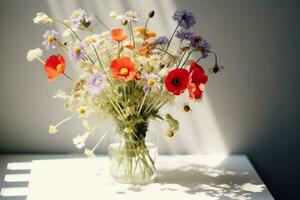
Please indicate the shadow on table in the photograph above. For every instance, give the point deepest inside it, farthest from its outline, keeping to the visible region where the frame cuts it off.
(208, 181)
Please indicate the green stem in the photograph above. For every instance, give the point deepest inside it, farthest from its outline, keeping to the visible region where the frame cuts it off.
(130, 25)
(173, 34)
(164, 51)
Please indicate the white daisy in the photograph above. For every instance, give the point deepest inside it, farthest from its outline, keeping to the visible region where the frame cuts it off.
(42, 18)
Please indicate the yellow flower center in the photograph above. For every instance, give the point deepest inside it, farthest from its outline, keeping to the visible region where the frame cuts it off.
(77, 50)
(92, 40)
(97, 83)
(76, 14)
(124, 71)
(59, 67)
(170, 133)
(82, 111)
(150, 82)
(50, 38)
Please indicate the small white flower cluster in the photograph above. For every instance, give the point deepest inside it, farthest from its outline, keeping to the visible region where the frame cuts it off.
(42, 18)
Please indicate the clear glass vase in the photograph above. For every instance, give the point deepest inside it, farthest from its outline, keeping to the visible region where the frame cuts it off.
(132, 160)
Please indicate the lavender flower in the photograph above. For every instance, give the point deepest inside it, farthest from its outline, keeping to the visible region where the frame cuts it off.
(96, 84)
(79, 17)
(130, 16)
(50, 38)
(205, 48)
(183, 34)
(161, 40)
(198, 43)
(185, 17)
(77, 51)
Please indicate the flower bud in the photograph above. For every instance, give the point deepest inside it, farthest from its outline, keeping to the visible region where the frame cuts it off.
(170, 133)
(151, 14)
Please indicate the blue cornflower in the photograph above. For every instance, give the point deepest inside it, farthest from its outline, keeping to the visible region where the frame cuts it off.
(205, 48)
(185, 17)
(198, 43)
(50, 39)
(162, 40)
(183, 34)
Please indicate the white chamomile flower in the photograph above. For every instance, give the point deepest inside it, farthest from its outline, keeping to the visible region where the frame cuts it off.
(105, 34)
(92, 40)
(52, 129)
(89, 153)
(42, 18)
(113, 14)
(34, 54)
(79, 141)
(154, 60)
(83, 111)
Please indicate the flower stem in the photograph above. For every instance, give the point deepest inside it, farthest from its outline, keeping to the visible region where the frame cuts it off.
(65, 120)
(131, 30)
(100, 140)
(164, 51)
(173, 34)
(141, 106)
(102, 23)
(68, 76)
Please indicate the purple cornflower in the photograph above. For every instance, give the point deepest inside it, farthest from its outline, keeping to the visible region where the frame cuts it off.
(77, 51)
(79, 17)
(205, 48)
(161, 40)
(198, 43)
(96, 84)
(183, 34)
(50, 38)
(130, 16)
(185, 17)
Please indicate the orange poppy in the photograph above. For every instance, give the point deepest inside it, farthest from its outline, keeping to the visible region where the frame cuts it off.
(123, 69)
(118, 35)
(129, 46)
(54, 66)
(147, 34)
(144, 49)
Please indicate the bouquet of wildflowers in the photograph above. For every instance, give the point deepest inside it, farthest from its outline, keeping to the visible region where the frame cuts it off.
(128, 74)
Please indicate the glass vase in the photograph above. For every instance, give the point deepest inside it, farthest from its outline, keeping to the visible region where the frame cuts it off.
(132, 157)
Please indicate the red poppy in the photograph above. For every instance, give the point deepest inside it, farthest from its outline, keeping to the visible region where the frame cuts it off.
(197, 81)
(177, 81)
(118, 35)
(123, 69)
(195, 92)
(54, 66)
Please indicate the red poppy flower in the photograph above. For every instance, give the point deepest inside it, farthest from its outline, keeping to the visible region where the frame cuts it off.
(54, 66)
(197, 81)
(195, 92)
(118, 35)
(123, 69)
(177, 81)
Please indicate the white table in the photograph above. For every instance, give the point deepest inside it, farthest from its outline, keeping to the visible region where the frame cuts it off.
(67, 177)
